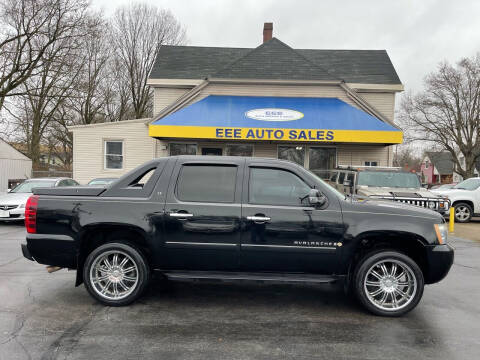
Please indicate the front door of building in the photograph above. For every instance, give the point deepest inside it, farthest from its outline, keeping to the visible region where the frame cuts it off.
(212, 151)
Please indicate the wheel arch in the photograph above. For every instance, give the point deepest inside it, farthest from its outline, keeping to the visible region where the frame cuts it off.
(411, 244)
(95, 235)
(468, 202)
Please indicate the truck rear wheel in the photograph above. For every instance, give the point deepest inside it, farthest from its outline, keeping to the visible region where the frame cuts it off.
(116, 274)
(388, 283)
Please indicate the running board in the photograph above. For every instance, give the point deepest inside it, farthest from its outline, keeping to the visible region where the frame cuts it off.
(280, 277)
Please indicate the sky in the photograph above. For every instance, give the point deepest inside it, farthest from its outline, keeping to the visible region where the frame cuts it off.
(416, 34)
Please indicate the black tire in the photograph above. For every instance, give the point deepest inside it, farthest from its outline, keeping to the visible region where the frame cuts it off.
(364, 292)
(465, 212)
(135, 260)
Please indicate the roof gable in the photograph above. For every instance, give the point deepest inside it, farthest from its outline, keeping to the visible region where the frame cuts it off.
(352, 66)
(442, 161)
(276, 61)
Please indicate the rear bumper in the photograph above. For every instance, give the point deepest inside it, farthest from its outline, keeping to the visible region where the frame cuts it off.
(26, 252)
(439, 261)
(56, 250)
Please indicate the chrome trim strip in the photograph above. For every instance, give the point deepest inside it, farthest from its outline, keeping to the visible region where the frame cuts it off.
(198, 243)
(290, 246)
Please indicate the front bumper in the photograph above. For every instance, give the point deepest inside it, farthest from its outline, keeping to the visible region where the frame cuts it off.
(439, 261)
(15, 215)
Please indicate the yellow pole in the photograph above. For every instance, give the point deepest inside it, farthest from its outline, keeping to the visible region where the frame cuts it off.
(451, 222)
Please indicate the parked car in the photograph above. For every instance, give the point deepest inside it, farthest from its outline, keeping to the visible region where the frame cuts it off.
(387, 184)
(442, 186)
(465, 197)
(12, 204)
(101, 181)
(236, 218)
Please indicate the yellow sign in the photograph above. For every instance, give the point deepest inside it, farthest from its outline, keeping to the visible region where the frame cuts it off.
(269, 134)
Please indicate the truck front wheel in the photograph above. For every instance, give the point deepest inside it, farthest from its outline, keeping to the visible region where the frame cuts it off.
(116, 274)
(388, 283)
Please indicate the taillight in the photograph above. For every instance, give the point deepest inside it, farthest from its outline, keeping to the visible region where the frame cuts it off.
(31, 214)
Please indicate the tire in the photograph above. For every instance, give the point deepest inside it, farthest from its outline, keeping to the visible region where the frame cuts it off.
(402, 294)
(463, 212)
(121, 283)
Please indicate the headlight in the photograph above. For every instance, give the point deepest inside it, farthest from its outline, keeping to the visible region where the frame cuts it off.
(432, 205)
(442, 233)
(22, 206)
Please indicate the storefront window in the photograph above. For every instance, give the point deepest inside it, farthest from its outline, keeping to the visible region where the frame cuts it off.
(239, 150)
(182, 149)
(292, 153)
(321, 158)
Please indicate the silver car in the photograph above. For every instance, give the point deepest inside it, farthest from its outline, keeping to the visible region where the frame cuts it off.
(12, 204)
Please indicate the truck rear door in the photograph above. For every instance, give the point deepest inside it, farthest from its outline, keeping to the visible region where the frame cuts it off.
(203, 215)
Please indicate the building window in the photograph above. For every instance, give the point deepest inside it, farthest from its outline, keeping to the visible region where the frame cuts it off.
(113, 154)
(292, 153)
(206, 183)
(182, 149)
(239, 150)
(321, 159)
(371, 163)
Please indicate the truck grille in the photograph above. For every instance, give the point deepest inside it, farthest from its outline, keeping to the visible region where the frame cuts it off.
(8, 207)
(421, 203)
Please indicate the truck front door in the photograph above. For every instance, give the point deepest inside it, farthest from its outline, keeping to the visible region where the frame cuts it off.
(202, 216)
(282, 232)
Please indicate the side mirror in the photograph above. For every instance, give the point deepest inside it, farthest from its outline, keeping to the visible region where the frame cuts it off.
(315, 197)
(8, 190)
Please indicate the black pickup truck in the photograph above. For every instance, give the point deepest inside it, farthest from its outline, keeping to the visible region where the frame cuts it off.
(236, 218)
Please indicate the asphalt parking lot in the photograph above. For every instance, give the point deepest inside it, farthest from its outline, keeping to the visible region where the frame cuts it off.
(43, 316)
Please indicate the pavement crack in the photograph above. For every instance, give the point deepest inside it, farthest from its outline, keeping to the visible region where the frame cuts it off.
(11, 261)
(468, 267)
(69, 338)
(20, 322)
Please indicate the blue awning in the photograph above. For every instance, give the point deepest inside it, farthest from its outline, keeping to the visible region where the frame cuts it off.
(275, 118)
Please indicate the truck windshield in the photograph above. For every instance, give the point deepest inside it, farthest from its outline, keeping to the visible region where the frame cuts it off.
(27, 186)
(469, 184)
(388, 179)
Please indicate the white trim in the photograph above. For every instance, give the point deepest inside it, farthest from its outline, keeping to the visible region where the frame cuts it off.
(174, 82)
(146, 121)
(361, 87)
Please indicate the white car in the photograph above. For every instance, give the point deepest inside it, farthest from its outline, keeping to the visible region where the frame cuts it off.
(465, 197)
(12, 204)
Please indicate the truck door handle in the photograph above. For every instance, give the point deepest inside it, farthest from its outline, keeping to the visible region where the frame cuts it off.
(258, 219)
(180, 215)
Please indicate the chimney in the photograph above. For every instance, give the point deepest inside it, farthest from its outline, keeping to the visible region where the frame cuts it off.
(267, 32)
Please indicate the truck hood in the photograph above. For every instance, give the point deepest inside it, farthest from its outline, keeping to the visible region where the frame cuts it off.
(14, 198)
(453, 192)
(400, 192)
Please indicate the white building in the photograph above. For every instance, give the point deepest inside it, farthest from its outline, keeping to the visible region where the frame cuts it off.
(14, 166)
(319, 108)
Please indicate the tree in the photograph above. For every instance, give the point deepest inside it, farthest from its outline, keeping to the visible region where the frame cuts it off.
(138, 32)
(41, 96)
(447, 112)
(29, 29)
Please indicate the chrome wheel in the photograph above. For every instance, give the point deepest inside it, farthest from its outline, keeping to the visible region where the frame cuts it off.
(462, 213)
(390, 285)
(114, 275)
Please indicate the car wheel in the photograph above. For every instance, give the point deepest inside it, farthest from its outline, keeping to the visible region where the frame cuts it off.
(116, 274)
(463, 212)
(388, 283)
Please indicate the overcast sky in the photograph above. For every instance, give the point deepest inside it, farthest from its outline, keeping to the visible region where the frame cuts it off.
(416, 34)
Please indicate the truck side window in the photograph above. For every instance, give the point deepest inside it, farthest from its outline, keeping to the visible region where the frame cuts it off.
(276, 187)
(341, 178)
(207, 183)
